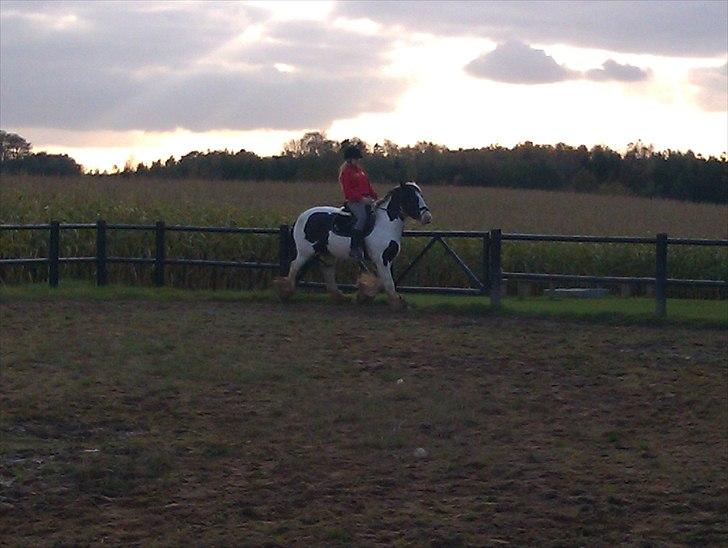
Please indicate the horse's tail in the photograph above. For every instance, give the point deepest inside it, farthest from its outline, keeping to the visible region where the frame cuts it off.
(292, 251)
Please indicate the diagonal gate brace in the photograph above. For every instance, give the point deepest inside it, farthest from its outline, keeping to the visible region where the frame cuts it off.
(416, 260)
(474, 280)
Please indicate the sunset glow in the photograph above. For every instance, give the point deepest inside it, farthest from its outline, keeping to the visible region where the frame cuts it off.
(266, 72)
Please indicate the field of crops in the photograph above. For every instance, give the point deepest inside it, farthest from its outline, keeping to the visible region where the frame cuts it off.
(28, 200)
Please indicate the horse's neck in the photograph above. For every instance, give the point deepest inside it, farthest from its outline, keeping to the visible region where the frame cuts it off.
(382, 216)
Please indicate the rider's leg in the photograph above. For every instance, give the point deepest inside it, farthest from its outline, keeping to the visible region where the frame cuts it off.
(359, 210)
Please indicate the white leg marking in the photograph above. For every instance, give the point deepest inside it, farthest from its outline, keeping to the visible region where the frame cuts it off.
(385, 276)
(287, 286)
(329, 273)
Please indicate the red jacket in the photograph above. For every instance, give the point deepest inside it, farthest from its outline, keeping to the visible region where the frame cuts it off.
(355, 183)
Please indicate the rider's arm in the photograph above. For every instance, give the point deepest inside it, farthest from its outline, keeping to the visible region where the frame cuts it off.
(369, 190)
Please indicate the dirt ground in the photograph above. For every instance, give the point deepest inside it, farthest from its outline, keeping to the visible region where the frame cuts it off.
(270, 424)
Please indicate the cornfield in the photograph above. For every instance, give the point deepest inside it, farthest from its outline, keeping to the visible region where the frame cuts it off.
(269, 204)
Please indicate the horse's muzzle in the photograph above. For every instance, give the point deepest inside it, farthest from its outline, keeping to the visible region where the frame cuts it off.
(426, 217)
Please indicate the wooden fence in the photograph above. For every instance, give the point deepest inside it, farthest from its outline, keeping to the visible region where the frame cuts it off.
(489, 281)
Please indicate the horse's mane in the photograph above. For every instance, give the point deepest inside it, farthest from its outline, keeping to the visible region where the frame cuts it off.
(389, 194)
(386, 197)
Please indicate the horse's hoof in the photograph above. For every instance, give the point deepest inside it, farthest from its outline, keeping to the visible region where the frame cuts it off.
(339, 297)
(368, 285)
(284, 286)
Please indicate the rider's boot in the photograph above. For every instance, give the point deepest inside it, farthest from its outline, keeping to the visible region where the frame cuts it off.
(357, 241)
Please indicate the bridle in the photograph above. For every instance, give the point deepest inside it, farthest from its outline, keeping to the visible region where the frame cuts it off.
(378, 205)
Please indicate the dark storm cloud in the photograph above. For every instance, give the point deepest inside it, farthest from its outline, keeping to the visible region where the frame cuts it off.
(121, 35)
(690, 28)
(158, 66)
(199, 102)
(611, 70)
(517, 63)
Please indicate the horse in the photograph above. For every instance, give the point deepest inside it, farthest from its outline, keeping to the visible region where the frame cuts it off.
(324, 233)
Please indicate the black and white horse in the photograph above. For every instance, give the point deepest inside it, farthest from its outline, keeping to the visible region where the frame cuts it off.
(325, 232)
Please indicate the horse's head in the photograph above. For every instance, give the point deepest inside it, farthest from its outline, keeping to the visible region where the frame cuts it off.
(408, 198)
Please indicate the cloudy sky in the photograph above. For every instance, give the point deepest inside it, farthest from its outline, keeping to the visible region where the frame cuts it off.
(111, 81)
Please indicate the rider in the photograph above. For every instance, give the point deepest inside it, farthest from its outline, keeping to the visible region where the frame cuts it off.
(359, 195)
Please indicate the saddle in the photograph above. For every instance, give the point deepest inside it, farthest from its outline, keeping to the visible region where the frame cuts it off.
(344, 222)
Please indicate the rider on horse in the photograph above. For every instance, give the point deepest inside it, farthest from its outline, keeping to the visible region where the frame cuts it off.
(359, 196)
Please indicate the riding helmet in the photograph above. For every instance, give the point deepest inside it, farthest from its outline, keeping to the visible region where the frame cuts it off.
(351, 152)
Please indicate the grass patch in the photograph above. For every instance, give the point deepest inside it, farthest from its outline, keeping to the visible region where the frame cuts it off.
(607, 309)
(697, 312)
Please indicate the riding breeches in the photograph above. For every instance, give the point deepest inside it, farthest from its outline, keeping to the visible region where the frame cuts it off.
(359, 210)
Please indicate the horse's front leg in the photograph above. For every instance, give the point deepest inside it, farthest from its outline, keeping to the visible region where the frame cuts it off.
(385, 277)
(329, 273)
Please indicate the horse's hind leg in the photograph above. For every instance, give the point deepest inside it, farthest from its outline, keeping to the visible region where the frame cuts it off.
(329, 272)
(287, 286)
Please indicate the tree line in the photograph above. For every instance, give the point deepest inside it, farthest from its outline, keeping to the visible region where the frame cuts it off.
(16, 158)
(640, 171)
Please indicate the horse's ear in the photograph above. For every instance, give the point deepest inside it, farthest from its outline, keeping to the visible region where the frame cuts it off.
(402, 184)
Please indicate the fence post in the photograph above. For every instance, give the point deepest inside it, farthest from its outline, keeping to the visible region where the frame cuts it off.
(661, 276)
(485, 266)
(496, 273)
(284, 260)
(160, 255)
(101, 272)
(54, 253)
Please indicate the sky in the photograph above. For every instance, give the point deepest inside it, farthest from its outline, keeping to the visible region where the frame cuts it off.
(114, 82)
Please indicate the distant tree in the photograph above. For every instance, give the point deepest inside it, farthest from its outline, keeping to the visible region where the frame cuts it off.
(15, 157)
(313, 143)
(390, 148)
(60, 165)
(156, 169)
(141, 169)
(12, 146)
(604, 163)
(640, 170)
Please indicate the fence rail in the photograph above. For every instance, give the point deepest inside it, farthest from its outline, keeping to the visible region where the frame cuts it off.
(488, 282)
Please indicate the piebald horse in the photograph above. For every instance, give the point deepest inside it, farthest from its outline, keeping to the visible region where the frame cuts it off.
(324, 233)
